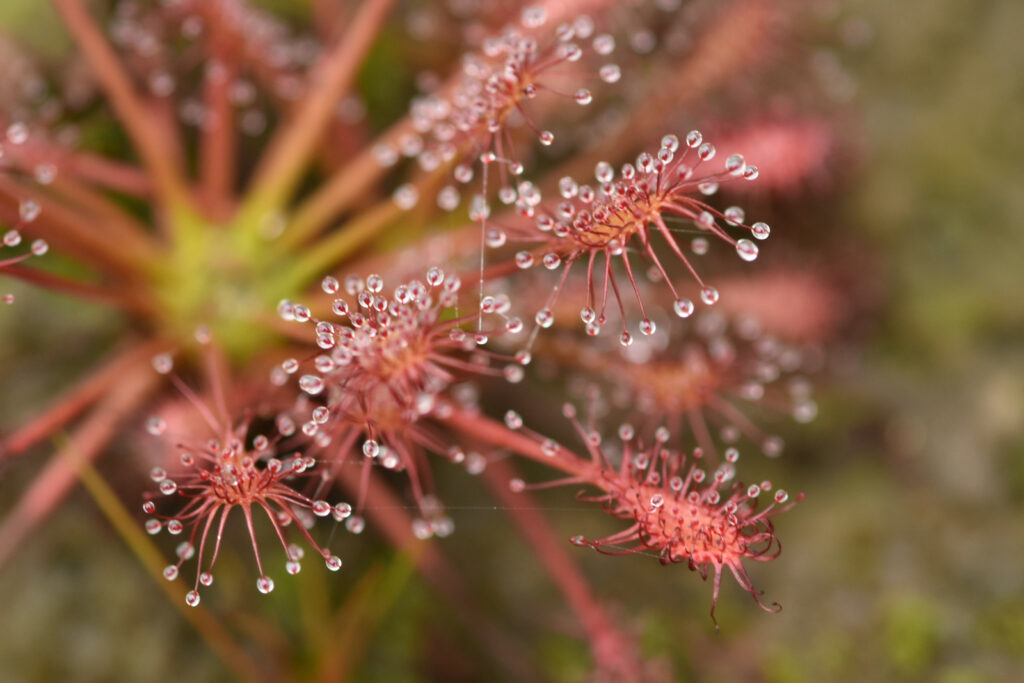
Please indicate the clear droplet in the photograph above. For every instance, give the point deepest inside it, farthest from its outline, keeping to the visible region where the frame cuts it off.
(746, 249)
(683, 308)
(709, 295)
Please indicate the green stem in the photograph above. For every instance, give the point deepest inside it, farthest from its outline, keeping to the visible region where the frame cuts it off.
(296, 141)
(326, 254)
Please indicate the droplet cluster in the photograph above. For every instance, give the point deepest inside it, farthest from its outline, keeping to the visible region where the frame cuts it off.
(686, 513)
(224, 476)
(469, 120)
(621, 214)
(386, 363)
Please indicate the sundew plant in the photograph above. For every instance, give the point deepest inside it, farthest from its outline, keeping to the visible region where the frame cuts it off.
(375, 271)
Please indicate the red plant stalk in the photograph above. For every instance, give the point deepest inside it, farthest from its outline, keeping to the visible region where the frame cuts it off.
(86, 443)
(615, 656)
(388, 515)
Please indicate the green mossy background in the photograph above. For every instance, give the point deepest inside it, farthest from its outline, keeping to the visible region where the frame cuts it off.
(905, 563)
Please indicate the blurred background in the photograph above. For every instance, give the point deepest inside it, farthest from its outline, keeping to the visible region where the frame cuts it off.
(905, 562)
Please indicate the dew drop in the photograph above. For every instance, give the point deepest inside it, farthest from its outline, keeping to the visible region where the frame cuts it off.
(29, 210)
(709, 295)
(341, 511)
(17, 133)
(546, 137)
(448, 198)
(192, 598)
(610, 73)
(330, 285)
(735, 164)
(533, 17)
(513, 420)
(683, 308)
(746, 249)
(311, 384)
(760, 230)
(647, 327)
(604, 44)
(265, 584)
(772, 446)
(333, 563)
(45, 173)
(545, 318)
(163, 363)
(406, 196)
(513, 373)
(156, 426)
(805, 411)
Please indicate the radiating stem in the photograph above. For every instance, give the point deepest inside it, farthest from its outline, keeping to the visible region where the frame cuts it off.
(65, 227)
(497, 434)
(611, 649)
(86, 442)
(296, 141)
(129, 107)
(217, 153)
(320, 258)
(388, 515)
(339, 192)
(78, 398)
(125, 299)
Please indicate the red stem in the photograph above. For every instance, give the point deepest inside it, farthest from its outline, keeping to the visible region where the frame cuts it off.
(297, 139)
(612, 651)
(388, 515)
(85, 444)
(130, 108)
(81, 396)
(497, 434)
